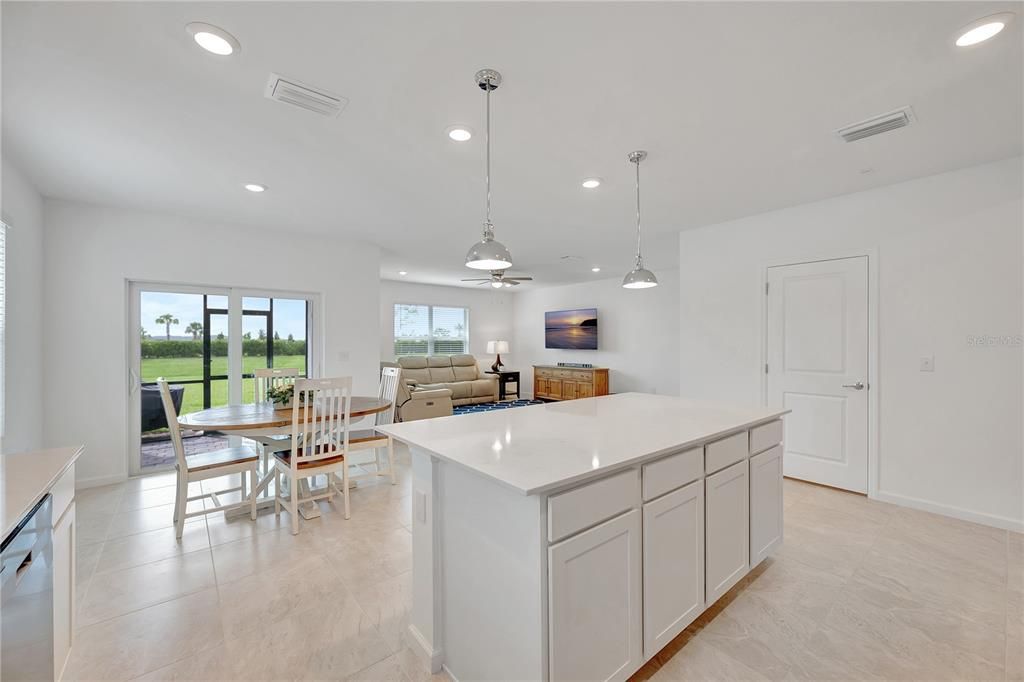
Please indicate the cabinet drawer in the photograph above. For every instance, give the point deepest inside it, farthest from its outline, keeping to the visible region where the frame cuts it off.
(674, 471)
(722, 453)
(581, 376)
(546, 373)
(579, 508)
(765, 436)
(63, 492)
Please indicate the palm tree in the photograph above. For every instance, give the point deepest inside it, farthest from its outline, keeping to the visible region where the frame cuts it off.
(195, 329)
(167, 319)
(143, 334)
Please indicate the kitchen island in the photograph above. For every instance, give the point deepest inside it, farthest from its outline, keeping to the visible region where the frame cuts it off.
(574, 540)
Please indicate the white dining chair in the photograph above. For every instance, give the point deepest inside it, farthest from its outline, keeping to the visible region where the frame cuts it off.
(263, 379)
(321, 413)
(203, 466)
(365, 439)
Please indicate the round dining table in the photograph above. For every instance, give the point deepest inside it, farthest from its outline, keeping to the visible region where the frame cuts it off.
(253, 416)
(265, 419)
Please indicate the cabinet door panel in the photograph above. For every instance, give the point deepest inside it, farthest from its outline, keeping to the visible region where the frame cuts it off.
(595, 602)
(765, 503)
(540, 387)
(555, 388)
(584, 390)
(63, 588)
(726, 529)
(673, 564)
(569, 390)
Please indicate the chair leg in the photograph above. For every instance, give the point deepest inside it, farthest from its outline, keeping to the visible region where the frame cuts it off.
(344, 490)
(241, 484)
(293, 502)
(391, 459)
(181, 504)
(277, 492)
(253, 484)
(177, 482)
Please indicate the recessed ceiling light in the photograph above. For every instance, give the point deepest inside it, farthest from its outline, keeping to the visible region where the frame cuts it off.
(591, 183)
(403, 273)
(981, 30)
(256, 187)
(595, 269)
(213, 38)
(459, 133)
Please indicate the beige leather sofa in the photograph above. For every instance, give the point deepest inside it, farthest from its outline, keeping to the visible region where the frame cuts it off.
(456, 373)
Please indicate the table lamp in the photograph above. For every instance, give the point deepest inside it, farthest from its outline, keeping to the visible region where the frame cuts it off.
(497, 347)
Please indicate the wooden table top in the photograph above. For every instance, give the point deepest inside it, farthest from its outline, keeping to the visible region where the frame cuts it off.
(264, 416)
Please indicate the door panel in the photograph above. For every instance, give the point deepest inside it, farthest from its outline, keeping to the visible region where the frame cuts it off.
(817, 351)
(727, 529)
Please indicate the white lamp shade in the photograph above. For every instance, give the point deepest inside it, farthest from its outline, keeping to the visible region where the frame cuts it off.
(497, 347)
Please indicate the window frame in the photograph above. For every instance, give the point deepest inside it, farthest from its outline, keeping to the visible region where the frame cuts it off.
(430, 338)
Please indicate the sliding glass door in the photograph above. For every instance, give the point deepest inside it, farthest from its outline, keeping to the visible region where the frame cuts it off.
(206, 342)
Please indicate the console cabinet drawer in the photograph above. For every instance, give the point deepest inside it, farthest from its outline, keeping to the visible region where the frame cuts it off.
(765, 436)
(675, 471)
(588, 505)
(722, 453)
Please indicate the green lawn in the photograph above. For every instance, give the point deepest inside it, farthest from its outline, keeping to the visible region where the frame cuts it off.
(192, 368)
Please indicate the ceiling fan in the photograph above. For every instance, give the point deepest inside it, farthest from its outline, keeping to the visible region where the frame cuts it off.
(499, 280)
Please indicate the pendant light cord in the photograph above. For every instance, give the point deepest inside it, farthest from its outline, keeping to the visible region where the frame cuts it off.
(487, 139)
(639, 258)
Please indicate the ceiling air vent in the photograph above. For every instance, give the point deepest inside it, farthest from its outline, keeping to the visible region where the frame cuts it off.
(290, 91)
(876, 125)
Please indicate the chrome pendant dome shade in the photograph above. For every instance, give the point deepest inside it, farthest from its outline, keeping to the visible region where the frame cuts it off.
(488, 254)
(639, 277)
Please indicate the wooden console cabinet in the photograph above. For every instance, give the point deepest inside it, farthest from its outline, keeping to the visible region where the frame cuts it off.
(568, 383)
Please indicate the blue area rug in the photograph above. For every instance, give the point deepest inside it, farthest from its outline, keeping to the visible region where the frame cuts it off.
(488, 407)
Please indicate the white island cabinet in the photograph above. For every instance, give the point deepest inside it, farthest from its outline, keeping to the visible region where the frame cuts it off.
(574, 540)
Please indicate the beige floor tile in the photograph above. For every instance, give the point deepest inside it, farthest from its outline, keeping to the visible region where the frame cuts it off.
(144, 548)
(261, 600)
(210, 665)
(821, 551)
(262, 552)
(388, 602)
(85, 563)
(237, 527)
(148, 482)
(387, 670)
(95, 501)
(92, 528)
(330, 642)
(985, 565)
(697, 660)
(115, 593)
(142, 520)
(1015, 561)
(852, 504)
(415, 667)
(153, 497)
(1015, 636)
(142, 641)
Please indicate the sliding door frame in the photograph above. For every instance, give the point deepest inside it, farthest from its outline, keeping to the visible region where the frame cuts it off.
(133, 347)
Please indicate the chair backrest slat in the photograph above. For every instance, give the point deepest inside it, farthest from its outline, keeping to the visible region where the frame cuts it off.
(389, 378)
(321, 412)
(265, 378)
(172, 424)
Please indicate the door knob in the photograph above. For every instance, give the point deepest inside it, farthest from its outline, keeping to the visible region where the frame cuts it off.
(858, 386)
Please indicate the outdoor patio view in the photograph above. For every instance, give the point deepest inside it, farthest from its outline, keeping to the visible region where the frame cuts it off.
(184, 339)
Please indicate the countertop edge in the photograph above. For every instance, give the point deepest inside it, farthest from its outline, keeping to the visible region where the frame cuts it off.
(601, 471)
(76, 453)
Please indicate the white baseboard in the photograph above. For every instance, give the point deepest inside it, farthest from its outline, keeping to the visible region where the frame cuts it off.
(434, 658)
(993, 520)
(97, 481)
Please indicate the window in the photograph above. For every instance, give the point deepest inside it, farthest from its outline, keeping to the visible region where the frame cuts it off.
(431, 330)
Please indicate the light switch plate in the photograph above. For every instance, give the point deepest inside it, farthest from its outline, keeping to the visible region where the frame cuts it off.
(927, 363)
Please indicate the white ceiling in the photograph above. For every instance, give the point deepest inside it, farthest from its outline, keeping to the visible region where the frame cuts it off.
(112, 103)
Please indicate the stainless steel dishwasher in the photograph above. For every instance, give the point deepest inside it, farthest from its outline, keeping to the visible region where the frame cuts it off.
(26, 601)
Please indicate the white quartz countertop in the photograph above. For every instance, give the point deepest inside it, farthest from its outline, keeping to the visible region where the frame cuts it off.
(25, 477)
(542, 447)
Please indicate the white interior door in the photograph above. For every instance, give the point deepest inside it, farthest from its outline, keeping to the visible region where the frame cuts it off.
(817, 352)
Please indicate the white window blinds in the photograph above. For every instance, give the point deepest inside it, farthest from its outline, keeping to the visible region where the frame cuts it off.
(430, 330)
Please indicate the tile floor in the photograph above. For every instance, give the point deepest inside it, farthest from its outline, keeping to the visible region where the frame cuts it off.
(860, 590)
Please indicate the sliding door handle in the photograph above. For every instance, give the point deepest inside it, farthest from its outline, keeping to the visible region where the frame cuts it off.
(859, 386)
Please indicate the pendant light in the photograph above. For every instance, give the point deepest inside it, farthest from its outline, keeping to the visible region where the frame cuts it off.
(488, 254)
(639, 277)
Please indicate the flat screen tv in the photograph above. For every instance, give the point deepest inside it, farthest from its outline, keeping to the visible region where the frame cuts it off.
(572, 329)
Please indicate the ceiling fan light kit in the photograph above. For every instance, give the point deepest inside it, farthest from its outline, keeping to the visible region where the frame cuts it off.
(488, 253)
(639, 277)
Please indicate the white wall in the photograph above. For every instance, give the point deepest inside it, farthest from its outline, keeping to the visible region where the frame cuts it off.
(490, 314)
(91, 252)
(638, 332)
(949, 266)
(23, 361)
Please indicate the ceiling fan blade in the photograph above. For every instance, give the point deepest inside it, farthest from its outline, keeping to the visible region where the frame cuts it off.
(478, 279)
(521, 279)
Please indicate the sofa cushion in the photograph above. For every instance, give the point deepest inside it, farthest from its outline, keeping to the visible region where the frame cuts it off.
(465, 373)
(413, 362)
(460, 389)
(414, 369)
(484, 387)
